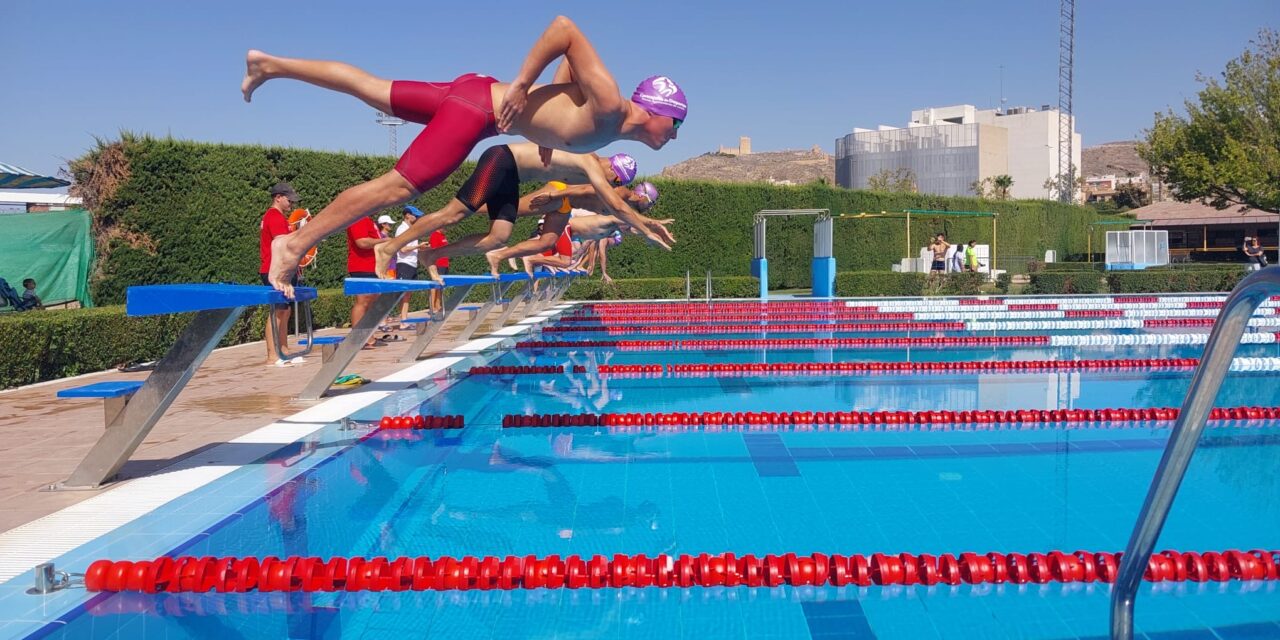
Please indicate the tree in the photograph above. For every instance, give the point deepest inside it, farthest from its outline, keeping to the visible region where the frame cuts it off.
(1001, 185)
(1131, 196)
(1226, 150)
(981, 188)
(1055, 185)
(893, 181)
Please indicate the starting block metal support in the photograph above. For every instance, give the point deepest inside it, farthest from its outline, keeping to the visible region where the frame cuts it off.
(217, 307)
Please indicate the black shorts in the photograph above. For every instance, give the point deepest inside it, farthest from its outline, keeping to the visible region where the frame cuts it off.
(444, 271)
(361, 274)
(496, 183)
(406, 271)
(939, 265)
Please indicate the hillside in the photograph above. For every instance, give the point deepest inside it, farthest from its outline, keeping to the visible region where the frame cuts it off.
(777, 167)
(1119, 158)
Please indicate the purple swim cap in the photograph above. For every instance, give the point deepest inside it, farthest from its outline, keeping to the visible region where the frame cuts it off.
(649, 192)
(661, 96)
(624, 166)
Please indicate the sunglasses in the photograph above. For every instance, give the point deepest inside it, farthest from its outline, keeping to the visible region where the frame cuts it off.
(675, 123)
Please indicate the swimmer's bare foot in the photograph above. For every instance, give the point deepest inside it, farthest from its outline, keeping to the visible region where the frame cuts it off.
(511, 262)
(256, 72)
(284, 263)
(435, 276)
(382, 255)
(494, 262)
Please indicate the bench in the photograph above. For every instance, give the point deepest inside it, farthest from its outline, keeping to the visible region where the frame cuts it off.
(137, 410)
(328, 345)
(115, 396)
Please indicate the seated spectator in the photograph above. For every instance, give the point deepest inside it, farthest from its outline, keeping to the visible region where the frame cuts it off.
(29, 298)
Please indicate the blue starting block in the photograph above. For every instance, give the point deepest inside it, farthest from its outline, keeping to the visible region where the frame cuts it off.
(132, 412)
(328, 345)
(115, 396)
(389, 292)
(117, 389)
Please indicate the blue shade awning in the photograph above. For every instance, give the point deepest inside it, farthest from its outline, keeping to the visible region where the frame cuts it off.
(14, 177)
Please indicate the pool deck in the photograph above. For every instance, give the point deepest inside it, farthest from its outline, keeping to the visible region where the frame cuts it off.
(231, 395)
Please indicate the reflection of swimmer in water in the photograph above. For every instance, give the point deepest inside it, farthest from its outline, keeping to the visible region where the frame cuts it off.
(606, 517)
(602, 448)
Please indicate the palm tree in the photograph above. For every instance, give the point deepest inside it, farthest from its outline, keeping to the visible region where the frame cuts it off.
(1002, 185)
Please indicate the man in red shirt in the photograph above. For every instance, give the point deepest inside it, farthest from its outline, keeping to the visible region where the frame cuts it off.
(362, 236)
(440, 268)
(274, 224)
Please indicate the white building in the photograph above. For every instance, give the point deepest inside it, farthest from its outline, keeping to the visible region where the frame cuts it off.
(950, 148)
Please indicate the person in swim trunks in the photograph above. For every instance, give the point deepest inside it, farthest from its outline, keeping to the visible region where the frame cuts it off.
(581, 111)
(583, 224)
(494, 187)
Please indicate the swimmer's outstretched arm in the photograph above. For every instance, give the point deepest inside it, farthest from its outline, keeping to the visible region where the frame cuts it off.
(563, 38)
(616, 205)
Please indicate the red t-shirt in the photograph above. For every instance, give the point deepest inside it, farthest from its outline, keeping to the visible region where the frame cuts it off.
(436, 241)
(361, 260)
(273, 224)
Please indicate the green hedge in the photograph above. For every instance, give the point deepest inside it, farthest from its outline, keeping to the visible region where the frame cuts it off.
(662, 288)
(1046, 282)
(861, 284)
(47, 345)
(1175, 281)
(189, 212)
(1101, 266)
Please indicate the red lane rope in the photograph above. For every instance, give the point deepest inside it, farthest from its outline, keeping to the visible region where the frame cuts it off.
(701, 370)
(420, 422)
(311, 574)
(819, 418)
(520, 370)
(770, 328)
(792, 343)
(1179, 322)
(739, 317)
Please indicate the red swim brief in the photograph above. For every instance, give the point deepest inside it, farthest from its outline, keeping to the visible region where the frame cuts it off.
(458, 115)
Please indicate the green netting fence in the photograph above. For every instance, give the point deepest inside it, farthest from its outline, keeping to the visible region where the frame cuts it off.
(53, 248)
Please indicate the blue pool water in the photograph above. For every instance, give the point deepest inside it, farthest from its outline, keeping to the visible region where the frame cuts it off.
(485, 490)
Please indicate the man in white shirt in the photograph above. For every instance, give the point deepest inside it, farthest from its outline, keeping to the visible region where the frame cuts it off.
(407, 258)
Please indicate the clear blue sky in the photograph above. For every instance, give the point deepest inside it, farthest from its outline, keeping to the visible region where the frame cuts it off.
(787, 74)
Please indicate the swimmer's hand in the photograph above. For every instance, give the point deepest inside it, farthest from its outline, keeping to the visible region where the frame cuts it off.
(544, 154)
(512, 105)
(660, 228)
(540, 200)
(658, 234)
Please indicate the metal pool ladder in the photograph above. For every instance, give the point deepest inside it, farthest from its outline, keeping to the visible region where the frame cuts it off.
(1216, 360)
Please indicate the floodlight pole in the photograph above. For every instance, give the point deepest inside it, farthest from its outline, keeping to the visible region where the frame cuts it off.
(390, 122)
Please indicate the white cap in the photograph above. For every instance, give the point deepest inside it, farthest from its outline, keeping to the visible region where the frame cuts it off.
(385, 219)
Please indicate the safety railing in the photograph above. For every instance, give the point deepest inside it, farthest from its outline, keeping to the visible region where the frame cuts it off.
(1205, 383)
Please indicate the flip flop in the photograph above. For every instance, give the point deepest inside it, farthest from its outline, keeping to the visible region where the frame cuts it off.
(350, 380)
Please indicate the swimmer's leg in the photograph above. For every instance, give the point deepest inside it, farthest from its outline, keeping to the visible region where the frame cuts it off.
(452, 213)
(387, 190)
(335, 76)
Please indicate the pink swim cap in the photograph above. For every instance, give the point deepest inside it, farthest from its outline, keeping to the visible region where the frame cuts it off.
(661, 96)
(648, 192)
(624, 166)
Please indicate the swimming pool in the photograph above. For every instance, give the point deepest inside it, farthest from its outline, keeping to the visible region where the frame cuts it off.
(774, 486)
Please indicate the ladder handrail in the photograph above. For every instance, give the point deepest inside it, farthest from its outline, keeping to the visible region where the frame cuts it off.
(1205, 383)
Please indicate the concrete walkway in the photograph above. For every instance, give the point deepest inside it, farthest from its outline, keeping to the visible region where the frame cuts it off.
(232, 394)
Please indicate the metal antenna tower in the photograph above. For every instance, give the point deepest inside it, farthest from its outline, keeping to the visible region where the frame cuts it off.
(1066, 68)
(390, 122)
